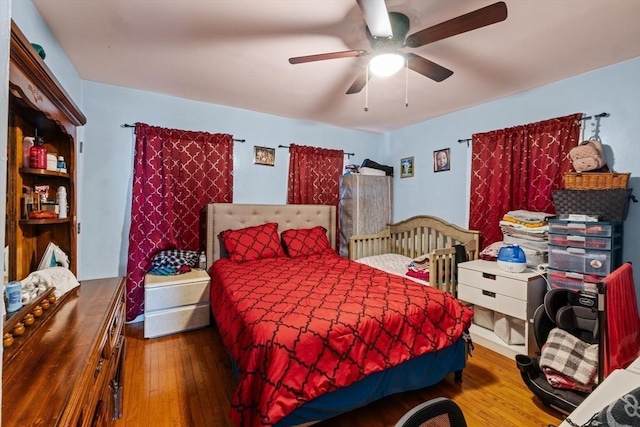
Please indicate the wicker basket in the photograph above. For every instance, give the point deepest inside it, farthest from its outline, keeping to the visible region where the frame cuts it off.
(607, 205)
(595, 180)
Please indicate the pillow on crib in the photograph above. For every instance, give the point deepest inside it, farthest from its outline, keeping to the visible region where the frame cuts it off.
(306, 241)
(253, 243)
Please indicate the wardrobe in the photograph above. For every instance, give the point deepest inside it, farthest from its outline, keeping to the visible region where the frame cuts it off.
(365, 206)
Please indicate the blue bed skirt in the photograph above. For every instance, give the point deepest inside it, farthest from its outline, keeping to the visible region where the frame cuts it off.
(413, 374)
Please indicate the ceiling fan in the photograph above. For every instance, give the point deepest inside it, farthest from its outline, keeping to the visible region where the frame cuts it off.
(387, 34)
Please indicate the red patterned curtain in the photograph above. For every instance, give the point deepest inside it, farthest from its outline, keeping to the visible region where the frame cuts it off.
(314, 177)
(517, 168)
(176, 173)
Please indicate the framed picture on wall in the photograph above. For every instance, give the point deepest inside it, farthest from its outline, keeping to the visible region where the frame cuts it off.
(407, 167)
(264, 156)
(441, 160)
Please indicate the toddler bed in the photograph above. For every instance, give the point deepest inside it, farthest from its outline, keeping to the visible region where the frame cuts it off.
(311, 334)
(396, 246)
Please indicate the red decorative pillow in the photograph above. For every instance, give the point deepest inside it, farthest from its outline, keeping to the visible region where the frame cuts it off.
(306, 241)
(252, 243)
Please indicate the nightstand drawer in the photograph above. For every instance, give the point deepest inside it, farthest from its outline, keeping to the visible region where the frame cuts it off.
(493, 283)
(174, 320)
(176, 295)
(492, 300)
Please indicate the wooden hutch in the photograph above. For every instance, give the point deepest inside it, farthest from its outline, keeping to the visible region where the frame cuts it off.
(63, 358)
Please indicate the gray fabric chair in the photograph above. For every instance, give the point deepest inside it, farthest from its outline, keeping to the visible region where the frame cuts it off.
(438, 412)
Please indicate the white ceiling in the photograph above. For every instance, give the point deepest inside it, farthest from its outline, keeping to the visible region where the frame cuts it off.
(235, 52)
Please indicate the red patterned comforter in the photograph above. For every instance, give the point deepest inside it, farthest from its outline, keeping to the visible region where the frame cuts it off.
(301, 327)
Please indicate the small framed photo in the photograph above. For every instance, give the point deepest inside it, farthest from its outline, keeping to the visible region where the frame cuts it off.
(441, 160)
(264, 156)
(407, 167)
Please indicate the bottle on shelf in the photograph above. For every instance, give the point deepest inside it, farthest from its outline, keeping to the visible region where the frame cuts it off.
(62, 166)
(62, 202)
(202, 264)
(38, 154)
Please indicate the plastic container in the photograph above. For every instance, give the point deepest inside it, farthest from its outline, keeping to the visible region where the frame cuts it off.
(202, 262)
(62, 202)
(27, 143)
(598, 229)
(52, 162)
(13, 291)
(588, 242)
(61, 165)
(573, 281)
(580, 260)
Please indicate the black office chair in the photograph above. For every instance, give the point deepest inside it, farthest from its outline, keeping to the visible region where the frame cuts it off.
(438, 412)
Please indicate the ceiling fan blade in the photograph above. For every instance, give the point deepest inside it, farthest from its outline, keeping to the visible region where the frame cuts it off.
(323, 56)
(427, 68)
(377, 18)
(488, 15)
(359, 82)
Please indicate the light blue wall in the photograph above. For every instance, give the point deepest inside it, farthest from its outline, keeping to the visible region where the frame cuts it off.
(108, 159)
(614, 89)
(28, 19)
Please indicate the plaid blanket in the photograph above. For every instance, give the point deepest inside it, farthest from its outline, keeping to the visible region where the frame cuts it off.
(173, 261)
(569, 356)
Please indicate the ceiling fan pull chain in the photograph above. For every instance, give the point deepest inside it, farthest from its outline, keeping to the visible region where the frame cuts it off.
(406, 84)
(366, 91)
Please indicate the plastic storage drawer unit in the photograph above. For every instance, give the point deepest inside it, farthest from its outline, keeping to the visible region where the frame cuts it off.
(587, 242)
(573, 281)
(580, 260)
(598, 229)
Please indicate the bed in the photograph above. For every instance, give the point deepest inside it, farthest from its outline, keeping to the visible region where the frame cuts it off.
(317, 335)
(394, 247)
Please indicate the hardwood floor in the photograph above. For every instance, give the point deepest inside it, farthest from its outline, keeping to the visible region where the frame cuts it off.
(186, 380)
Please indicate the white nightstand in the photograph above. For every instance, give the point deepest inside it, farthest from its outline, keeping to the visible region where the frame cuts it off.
(176, 303)
(483, 284)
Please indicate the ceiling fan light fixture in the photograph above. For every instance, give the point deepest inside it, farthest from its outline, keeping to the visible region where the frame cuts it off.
(386, 64)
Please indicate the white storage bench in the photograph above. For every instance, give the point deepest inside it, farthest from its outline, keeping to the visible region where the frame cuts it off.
(513, 297)
(176, 303)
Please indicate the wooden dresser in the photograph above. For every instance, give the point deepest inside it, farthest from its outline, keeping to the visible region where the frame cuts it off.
(69, 370)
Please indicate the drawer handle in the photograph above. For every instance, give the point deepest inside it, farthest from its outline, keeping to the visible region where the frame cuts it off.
(489, 294)
(489, 276)
(98, 368)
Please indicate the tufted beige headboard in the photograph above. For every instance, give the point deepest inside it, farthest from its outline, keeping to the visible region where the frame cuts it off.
(230, 216)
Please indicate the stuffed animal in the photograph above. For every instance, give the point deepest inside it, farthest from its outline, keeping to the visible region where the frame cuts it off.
(588, 156)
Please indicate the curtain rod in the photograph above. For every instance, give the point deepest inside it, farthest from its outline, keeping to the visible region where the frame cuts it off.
(126, 125)
(348, 154)
(597, 116)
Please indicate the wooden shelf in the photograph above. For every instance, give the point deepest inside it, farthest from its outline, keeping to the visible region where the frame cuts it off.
(44, 172)
(44, 221)
(38, 104)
